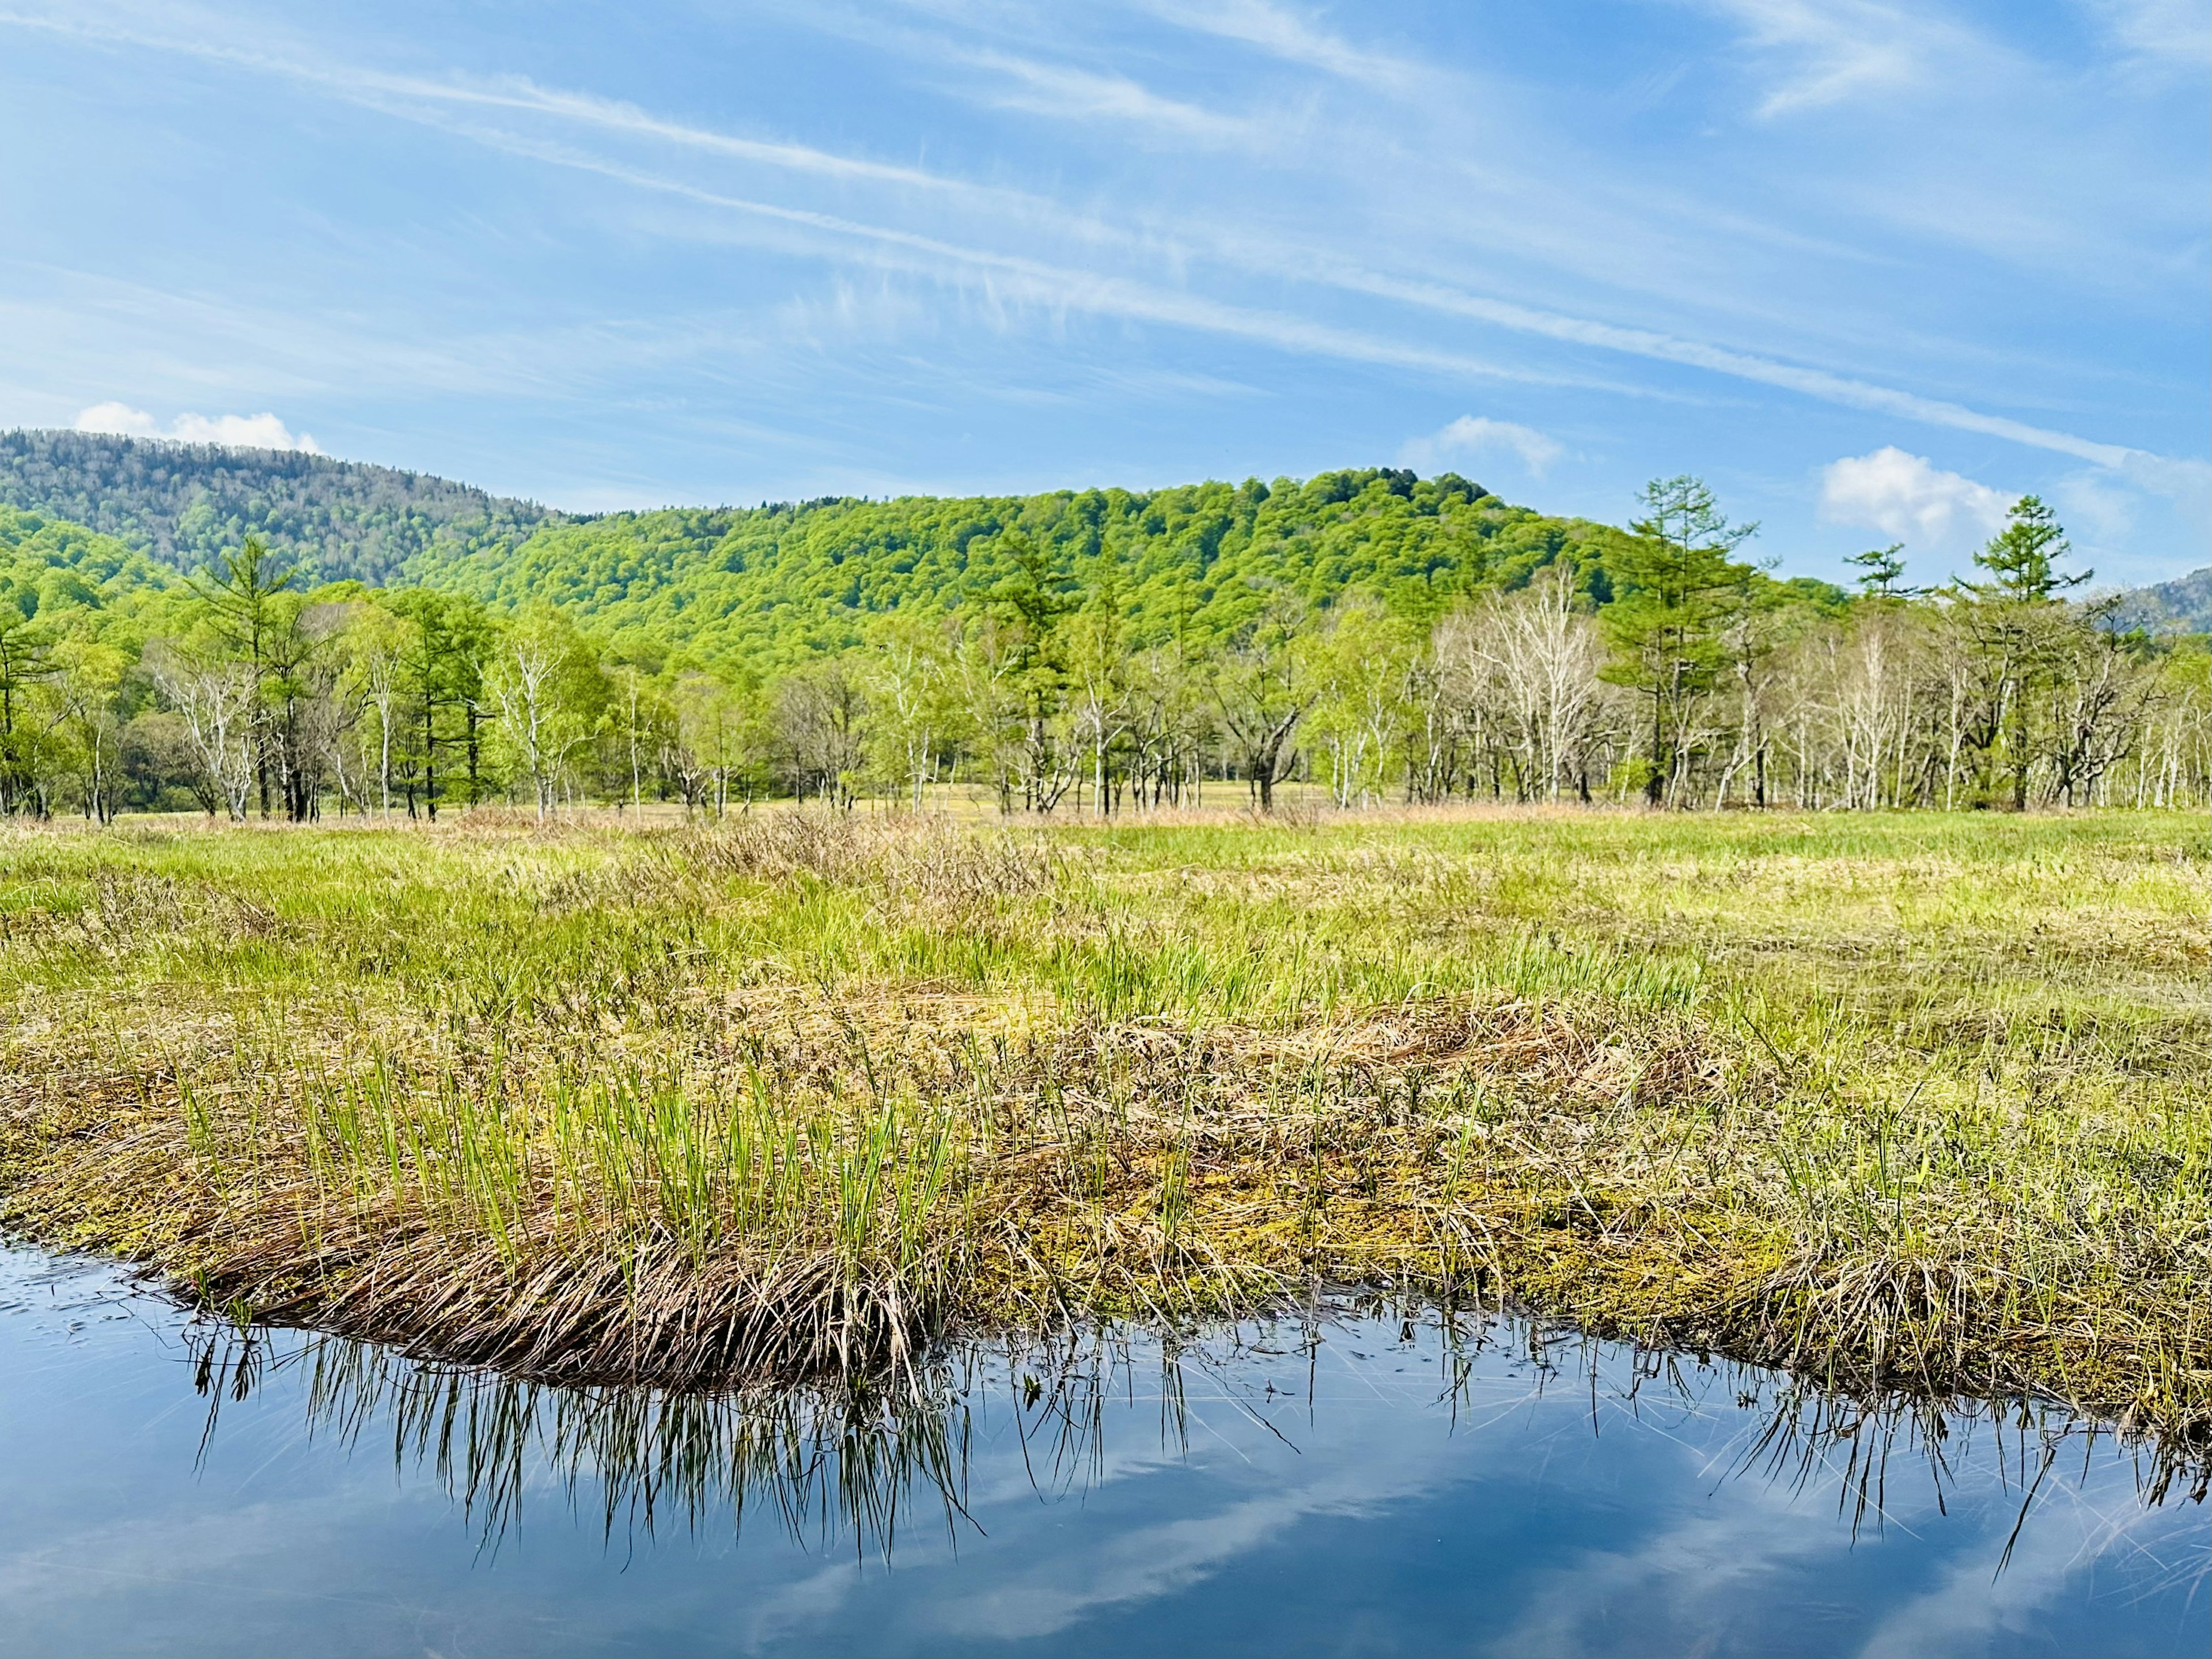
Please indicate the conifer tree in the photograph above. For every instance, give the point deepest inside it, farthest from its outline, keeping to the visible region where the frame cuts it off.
(1676, 588)
(2015, 618)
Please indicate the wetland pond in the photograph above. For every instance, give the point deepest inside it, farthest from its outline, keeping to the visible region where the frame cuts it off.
(1357, 1482)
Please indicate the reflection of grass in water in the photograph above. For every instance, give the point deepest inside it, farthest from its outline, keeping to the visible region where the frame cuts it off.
(1899, 1099)
(833, 1462)
(827, 1462)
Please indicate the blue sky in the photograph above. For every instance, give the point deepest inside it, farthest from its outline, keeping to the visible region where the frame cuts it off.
(1870, 269)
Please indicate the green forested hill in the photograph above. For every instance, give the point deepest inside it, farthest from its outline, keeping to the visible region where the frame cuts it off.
(759, 588)
(751, 591)
(49, 567)
(763, 587)
(184, 504)
(794, 646)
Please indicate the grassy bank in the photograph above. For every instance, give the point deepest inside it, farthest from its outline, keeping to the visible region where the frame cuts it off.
(1902, 1100)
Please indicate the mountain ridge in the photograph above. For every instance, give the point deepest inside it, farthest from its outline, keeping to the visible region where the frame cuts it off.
(762, 587)
(759, 588)
(2182, 606)
(183, 503)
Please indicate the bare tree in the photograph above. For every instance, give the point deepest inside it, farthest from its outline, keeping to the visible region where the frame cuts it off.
(2100, 697)
(218, 700)
(1168, 726)
(821, 728)
(1543, 653)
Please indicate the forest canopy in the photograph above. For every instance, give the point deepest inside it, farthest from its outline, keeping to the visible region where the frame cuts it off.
(1382, 636)
(762, 589)
(184, 504)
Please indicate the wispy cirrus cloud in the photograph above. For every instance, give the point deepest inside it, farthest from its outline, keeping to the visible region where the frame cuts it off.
(1066, 94)
(2178, 32)
(1021, 280)
(994, 208)
(1283, 33)
(514, 93)
(1828, 52)
(1812, 382)
(1037, 282)
(1027, 280)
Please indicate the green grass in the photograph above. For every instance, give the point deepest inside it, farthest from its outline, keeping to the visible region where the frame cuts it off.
(1900, 1099)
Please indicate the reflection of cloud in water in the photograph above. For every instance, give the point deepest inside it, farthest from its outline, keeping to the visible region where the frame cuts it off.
(1975, 1607)
(1683, 1580)
(1044, 1593)
(1775, 1545)
(1140, 1500)
(1235, 1470)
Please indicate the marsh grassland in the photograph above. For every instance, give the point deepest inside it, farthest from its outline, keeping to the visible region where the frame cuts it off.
(1898, 1100)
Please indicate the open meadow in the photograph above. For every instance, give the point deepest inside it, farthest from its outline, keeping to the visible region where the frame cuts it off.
(1899, 1100)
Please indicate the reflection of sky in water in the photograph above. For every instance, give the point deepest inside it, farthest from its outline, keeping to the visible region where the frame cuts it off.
(1352, 1509)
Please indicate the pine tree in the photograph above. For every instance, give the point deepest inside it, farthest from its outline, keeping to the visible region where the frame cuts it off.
(2014, 620)
(1882, 568)
(1677, 588)
(2022, 558)
(241, 591)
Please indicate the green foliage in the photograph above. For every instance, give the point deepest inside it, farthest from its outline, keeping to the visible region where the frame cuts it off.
(187, 505)
(2018, 626)
(51, 567)
(766, 588)
(2022, 558)
(1882, 571)
(1367, 629)
(243, 592)
(1677, 589)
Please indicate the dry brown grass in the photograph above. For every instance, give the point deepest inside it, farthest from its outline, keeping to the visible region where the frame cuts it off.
(805, 1097)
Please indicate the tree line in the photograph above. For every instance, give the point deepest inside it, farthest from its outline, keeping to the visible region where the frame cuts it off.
(1663, 668)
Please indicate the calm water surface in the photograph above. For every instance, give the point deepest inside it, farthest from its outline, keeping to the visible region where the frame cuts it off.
(1361, 1485)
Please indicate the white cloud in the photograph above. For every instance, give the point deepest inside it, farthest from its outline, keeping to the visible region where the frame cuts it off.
(2187, 483)
(1472, 436)
(117, 418)
(1969, 1608)
(2121, 520)
(262, 431)
(2103, 515)
(1910, 499)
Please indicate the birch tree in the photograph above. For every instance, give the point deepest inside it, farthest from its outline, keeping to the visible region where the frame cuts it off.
(533, 684)
(217, 698)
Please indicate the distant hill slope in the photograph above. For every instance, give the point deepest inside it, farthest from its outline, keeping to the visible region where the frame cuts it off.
(184, 503)
(2182, 606)
(756, 589)
(49, 566)
(768, 586)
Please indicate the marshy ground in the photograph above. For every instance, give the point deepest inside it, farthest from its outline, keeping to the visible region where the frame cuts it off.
(1897, 1100)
